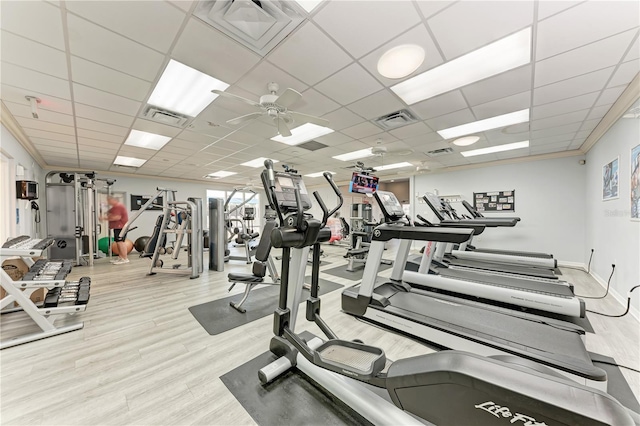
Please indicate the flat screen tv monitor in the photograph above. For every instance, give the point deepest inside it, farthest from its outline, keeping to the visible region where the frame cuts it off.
(363, 184)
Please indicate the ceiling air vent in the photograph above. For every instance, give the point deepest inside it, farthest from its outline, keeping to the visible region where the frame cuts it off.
(259, 25)
(439, 152)
(395, 119)
(165, 117)
(312, 145)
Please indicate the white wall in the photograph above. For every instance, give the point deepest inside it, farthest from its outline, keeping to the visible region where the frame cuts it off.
(549, 200)
(17, 156)
(609, 230)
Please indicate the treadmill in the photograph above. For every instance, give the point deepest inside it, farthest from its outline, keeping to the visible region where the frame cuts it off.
(458, 323)
(467, 251)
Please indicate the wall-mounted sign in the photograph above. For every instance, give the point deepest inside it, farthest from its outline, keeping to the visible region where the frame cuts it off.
(497, 201)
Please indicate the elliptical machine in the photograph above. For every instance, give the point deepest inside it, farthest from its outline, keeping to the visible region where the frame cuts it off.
(451, 387)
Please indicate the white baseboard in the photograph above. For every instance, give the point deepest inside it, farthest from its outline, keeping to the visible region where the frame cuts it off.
(621, 299)
(578, 265)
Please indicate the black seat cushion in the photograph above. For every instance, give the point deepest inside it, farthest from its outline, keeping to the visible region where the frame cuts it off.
(245, 278)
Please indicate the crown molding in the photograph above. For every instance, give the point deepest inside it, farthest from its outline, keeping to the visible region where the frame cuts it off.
(9, 122)
(617, 110)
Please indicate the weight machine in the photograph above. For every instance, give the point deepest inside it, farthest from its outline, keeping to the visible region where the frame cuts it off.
(242, 232)
(72, 216)
(180, 218)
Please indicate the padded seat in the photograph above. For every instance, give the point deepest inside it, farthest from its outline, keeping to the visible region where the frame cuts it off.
(245, 278)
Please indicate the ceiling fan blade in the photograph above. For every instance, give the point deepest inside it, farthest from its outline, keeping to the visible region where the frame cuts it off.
(283, 129)
(236, 97)
(301, 118)
(288, 98)
(244, 118)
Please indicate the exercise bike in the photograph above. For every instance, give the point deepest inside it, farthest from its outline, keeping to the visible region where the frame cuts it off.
(448, 387)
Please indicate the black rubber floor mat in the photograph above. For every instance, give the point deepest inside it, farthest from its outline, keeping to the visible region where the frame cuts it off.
(617, 385)
(341, 272)
(217, 316)
(289, 400)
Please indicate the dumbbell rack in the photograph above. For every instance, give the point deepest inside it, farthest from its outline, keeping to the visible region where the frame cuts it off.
(73, 296)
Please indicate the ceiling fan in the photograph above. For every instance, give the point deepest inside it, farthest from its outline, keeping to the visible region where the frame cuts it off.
(276, 107)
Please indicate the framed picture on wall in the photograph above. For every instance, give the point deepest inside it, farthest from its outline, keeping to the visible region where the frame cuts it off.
(635, 183)
(610, 180)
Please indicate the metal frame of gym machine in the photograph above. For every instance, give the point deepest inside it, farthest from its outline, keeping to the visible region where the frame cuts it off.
(228, 220)
(69, 234)
(191, 226)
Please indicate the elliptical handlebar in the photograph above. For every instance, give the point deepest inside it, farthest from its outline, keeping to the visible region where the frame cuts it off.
(271, 182)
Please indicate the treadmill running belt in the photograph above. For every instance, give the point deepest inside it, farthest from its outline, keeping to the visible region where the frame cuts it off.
(501, 267)
(532, 286)
(525, 336)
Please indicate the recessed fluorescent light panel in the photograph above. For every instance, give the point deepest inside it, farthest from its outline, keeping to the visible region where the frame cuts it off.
(222, 174)
(185, 90)
(303, 133)
(400, 61)
(146, 140)
(258, 162)
(503, 55)
(486, 124)
(129, 161)
(494, 149)
(355, 155)
(392, 166)
(318, 174)
(309, 5)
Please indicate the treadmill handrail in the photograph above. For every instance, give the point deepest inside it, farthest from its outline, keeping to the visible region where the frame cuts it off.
(488, 222)
(386, 232)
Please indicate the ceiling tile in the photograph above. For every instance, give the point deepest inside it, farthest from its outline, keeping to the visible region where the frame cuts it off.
(182, 4)
(334, 139)
(599, 112)
(545, 149)
(576, 144)
(104, 47)
(108, 80)
(34, 20)
(450, 120)
(29, 80)
(588, 22)
(342, 118)
(309, 55)
(440, 105)
(430, 8)
(136, 152)
(411, 131)
(32, 123)
(634, 51)
(90, 96)
(314, 103)
(102, 149)
(17, 95)
(137, 20)
(553, 131)
(552, 139)
(35, 134)
(199, 138)
(609, 96)
(548, 8)
(24, 110)
(592, 57)
(559, 120)
(92, 134)
(469, 25)
(349, 85)
(417, 35)
(209, 51)
(373, 106)
(35, 56)
(564, 106)
(591, 82)
(83, 123)
(503, 106)
(103, 115)
(625, 73)
(157, 128)
(502, 85)
(383, 138)
(583, 134)
(89, 143)
(375, 25)
(256, 80)
(362, 130)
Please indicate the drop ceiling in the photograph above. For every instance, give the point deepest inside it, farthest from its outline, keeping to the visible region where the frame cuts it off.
(94, 64)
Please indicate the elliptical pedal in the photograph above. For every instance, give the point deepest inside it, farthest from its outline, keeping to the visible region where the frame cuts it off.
(350, 358)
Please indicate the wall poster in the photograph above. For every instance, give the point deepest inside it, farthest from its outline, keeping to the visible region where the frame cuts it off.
(635, 183)
(610, 180)
(497, 201)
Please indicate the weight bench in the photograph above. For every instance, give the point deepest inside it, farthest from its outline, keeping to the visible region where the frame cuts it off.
(262, 263)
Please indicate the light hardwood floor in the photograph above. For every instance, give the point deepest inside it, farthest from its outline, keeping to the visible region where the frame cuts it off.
(143, 359)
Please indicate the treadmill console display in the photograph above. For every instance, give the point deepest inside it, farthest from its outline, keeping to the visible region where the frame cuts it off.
(389, 204)
(286, 185)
